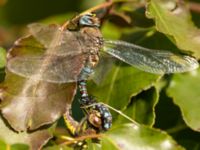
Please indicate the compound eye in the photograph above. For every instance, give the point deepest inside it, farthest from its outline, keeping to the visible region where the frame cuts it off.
(89, 20)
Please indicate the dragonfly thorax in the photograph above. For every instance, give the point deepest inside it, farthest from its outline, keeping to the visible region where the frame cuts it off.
(91, 42)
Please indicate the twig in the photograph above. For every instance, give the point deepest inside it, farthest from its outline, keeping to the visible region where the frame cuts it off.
(176, 128)
(81, 138)
(194, 6)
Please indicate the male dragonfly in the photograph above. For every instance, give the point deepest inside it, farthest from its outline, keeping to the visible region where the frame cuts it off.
(72, 51)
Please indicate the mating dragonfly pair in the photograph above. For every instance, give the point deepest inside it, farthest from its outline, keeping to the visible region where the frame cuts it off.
(73, 51)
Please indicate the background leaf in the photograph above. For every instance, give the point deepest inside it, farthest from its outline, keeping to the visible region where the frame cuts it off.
(34, 140)
(141, 108)
(121, 83)
(58, 148)
(2, 57)
(174, 19)
(184, 89)
(129, 136)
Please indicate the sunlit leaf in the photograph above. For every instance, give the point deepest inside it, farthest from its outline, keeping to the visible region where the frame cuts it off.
(184, 89)
(2, 57)
(94, 146)
(173, 18)
(19, 147)
(58, 147)
(2, 145)
(129, 136)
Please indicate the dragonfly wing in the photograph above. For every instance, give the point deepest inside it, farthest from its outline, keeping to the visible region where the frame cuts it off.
(44, 33)
(56, 41)
(153, 61)
(46, 68)
(103, 68)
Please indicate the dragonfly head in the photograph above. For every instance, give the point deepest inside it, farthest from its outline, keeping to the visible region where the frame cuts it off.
(84, 20)
(90, 20)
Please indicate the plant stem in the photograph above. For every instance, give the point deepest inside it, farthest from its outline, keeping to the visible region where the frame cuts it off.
(194, 6)
(176, 128)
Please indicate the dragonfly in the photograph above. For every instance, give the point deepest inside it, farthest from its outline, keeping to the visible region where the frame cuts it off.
(72, 52)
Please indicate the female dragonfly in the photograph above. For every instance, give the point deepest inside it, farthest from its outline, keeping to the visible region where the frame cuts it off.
(72, 51)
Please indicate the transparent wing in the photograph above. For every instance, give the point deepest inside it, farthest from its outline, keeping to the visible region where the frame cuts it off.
(45, 34)
(103, 68)
(154, 61)
(55, 40)
(46, 68)
(61, 60)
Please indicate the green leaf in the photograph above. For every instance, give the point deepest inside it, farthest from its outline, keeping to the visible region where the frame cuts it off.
(173, 18)
(107, 27)
(58, 147)
(93, 146)
(130, 136)
(142, 108)
(19, 147)
(2, 145)
(34, 140)
(2, 57)
(184, 89)
(121, 83)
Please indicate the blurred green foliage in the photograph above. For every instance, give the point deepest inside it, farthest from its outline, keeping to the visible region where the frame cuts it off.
(15, 12)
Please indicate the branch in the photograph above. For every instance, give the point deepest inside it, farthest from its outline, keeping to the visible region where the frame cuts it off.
(195, 7)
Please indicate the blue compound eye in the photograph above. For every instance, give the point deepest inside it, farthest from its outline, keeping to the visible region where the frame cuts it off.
(89, 20)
